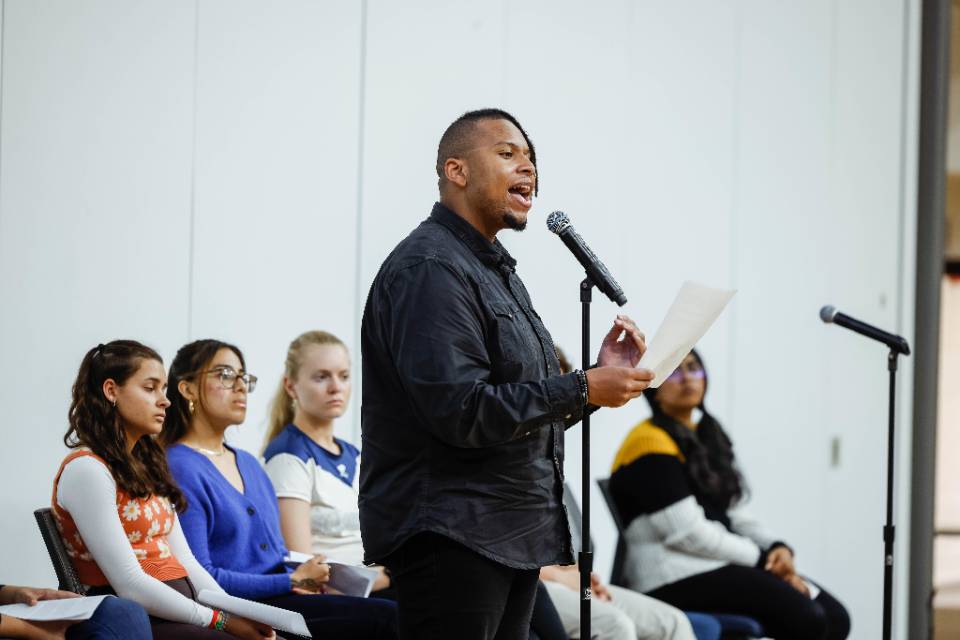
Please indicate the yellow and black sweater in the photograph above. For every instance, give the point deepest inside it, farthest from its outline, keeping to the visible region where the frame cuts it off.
(670, 533)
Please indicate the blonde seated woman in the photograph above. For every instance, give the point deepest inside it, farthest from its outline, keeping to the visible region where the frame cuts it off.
(314, 473)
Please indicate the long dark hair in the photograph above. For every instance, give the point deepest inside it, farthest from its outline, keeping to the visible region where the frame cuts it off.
(190, 360)
(711, 466)
(95, 423)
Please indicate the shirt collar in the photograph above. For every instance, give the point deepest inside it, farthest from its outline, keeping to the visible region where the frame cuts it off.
(493, 254)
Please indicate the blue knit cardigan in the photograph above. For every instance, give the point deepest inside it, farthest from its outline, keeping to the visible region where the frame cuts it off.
(235, 536)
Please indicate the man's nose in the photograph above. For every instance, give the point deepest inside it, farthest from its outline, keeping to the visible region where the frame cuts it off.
(526, 167)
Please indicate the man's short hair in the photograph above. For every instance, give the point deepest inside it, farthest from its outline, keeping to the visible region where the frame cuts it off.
(458, 138)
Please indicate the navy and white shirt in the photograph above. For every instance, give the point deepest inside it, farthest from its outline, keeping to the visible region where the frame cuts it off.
(300, 468)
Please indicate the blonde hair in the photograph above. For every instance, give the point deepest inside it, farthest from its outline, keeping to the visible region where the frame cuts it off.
(281, 409)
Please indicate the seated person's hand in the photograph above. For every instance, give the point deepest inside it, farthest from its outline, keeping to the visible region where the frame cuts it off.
(599, 589)
(311, 576)
(30, 596)
(247, 629)
(798, 583)
(780, 562)
(382, 580)
(568, 576)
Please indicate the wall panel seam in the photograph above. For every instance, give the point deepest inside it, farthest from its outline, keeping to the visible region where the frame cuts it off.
(359, 293)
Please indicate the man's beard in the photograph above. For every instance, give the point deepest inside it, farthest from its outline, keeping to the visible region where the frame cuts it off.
(511, 221)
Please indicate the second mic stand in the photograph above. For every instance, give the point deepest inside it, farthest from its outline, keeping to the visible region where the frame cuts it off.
(585, 557)
(888, 528)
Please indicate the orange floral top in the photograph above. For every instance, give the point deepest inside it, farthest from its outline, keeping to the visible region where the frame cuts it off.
(146, 521)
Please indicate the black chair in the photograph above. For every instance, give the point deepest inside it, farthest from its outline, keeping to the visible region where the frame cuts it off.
(66, 574)
(735, 626)
(620, 555)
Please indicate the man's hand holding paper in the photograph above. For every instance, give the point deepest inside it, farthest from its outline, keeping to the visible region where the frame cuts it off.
(616, 380)
(692, 313)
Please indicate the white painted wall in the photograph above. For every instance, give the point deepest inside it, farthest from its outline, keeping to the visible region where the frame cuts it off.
(242, 168)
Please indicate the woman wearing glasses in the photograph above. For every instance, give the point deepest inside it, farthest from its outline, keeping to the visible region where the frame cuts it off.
(231, 521)
(116, 505)
(679, 493)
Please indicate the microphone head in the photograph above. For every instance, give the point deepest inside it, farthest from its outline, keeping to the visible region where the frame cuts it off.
(557, 222)
(828, 313)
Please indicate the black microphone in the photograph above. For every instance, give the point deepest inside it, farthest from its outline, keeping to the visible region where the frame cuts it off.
(829, 314)
(559, 223)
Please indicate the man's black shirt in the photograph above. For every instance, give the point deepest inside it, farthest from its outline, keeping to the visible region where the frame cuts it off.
(464, 406)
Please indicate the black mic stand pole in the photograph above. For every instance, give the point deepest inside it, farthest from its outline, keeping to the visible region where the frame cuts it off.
(585, 558)
(888, 528)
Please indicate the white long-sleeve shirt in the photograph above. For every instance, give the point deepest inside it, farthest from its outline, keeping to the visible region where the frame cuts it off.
(88, 492)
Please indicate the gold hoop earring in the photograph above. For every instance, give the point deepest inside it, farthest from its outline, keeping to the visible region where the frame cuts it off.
(192, 408)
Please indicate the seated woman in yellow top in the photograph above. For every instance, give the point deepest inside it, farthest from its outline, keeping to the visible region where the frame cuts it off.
(679, 493)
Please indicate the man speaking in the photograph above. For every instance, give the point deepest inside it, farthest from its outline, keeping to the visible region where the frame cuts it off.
(464, 405)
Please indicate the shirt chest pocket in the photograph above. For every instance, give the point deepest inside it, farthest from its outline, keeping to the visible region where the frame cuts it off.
(507, 341)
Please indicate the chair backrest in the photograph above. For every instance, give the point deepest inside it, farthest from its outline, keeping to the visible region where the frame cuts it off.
(573, 518)
(617, 577)
(66, 574)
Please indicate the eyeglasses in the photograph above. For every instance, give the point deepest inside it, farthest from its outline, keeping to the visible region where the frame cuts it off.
(228, 378)
(692, 371)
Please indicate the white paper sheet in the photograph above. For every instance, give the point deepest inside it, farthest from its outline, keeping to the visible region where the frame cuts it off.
(348, 579)
(277, 618)
(296, 557)
(65, 609)
(692, 313)
(351, 579)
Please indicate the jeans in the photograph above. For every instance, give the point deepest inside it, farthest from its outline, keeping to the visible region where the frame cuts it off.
(114, 619)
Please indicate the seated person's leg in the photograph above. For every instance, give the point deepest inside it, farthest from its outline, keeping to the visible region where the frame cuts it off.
(330, 616)
(785, 613)
(545, 623)
(651, 618)
(838, 620)
(705, 627)
(114, 619)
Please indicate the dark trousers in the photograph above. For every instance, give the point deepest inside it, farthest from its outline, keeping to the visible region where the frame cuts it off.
(448, 591)
(784, 612)
(329, 616)
(545, 623)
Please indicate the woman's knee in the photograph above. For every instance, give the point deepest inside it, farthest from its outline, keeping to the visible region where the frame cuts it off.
(838, 622)
(810, 623)
(612, 623)
(122, 614)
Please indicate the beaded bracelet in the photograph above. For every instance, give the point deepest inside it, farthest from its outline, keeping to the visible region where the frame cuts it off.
(219, 620)
(222, 622)
(584, 387)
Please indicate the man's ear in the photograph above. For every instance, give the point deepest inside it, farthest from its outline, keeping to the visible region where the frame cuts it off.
(455, 170)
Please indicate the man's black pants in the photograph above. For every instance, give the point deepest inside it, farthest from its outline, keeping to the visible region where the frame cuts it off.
(445, 590)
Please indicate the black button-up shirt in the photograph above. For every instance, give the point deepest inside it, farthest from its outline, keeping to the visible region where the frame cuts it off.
(464, 406)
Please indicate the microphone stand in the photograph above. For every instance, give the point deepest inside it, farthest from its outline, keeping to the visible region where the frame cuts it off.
(888, 528)
(585, 557)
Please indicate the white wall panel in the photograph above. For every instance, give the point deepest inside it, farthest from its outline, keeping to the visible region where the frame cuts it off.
(94, 219)
(427, 63)
(276, 182)
(819, 223)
